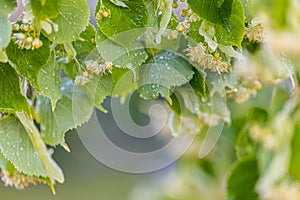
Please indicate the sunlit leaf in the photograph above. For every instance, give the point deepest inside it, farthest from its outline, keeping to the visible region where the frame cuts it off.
(11, 98)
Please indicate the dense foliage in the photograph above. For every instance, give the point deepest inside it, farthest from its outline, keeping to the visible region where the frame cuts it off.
(55, 68)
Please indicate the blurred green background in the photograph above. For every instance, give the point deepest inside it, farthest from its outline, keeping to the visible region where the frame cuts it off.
(86, 178)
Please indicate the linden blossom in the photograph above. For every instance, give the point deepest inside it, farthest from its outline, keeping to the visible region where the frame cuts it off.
(214, 62)
(93, 68)
(25, 36)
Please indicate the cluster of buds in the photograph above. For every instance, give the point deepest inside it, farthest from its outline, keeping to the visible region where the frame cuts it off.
(183, 26)
(175, 3)
(103, 13)
(25, 36)
(254, 32)
(199, 55)
(17, 180)
(186, 12)
(93, 68)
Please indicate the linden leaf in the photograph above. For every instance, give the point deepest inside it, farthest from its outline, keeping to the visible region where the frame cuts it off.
(104, 89)
(5, 31)
(118, 55)
(242, 180)
(73, 109)
(123, 83)
(84, 47)
(6, 7)
(72, 19)
(164, 70)
(194, 35)
(48, 80)
(124, 25)
(17, 147)
(86, 44)
(226, 15)
(29, 62)
(20, 179)
(49, 9)
(11, 98)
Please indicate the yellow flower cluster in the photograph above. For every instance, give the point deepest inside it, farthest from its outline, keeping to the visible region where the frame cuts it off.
(17, 180)
(25, 36)
(199, 55)
(93, 68)
(254, 32)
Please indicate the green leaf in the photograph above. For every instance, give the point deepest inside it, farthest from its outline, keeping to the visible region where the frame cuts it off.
(71, 69)
(3, 161)
(48, 80)
(73, 109)
(17, 147)
(295, 156)
(187, 99)
(124, 25)
(242, 180)
(5, 32)
(29, 62)
(132, 60)
(244, 145)
(72, 19)
(185, 102)
(8, 168)
(86, 45)
(7, 7)
(226, 15)
(247, 5)
(194, 35)
(104, 89)
(123, 83)
(198, 83)
(118, 55)
(164, 70)
(11, 98)
(43, 11)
